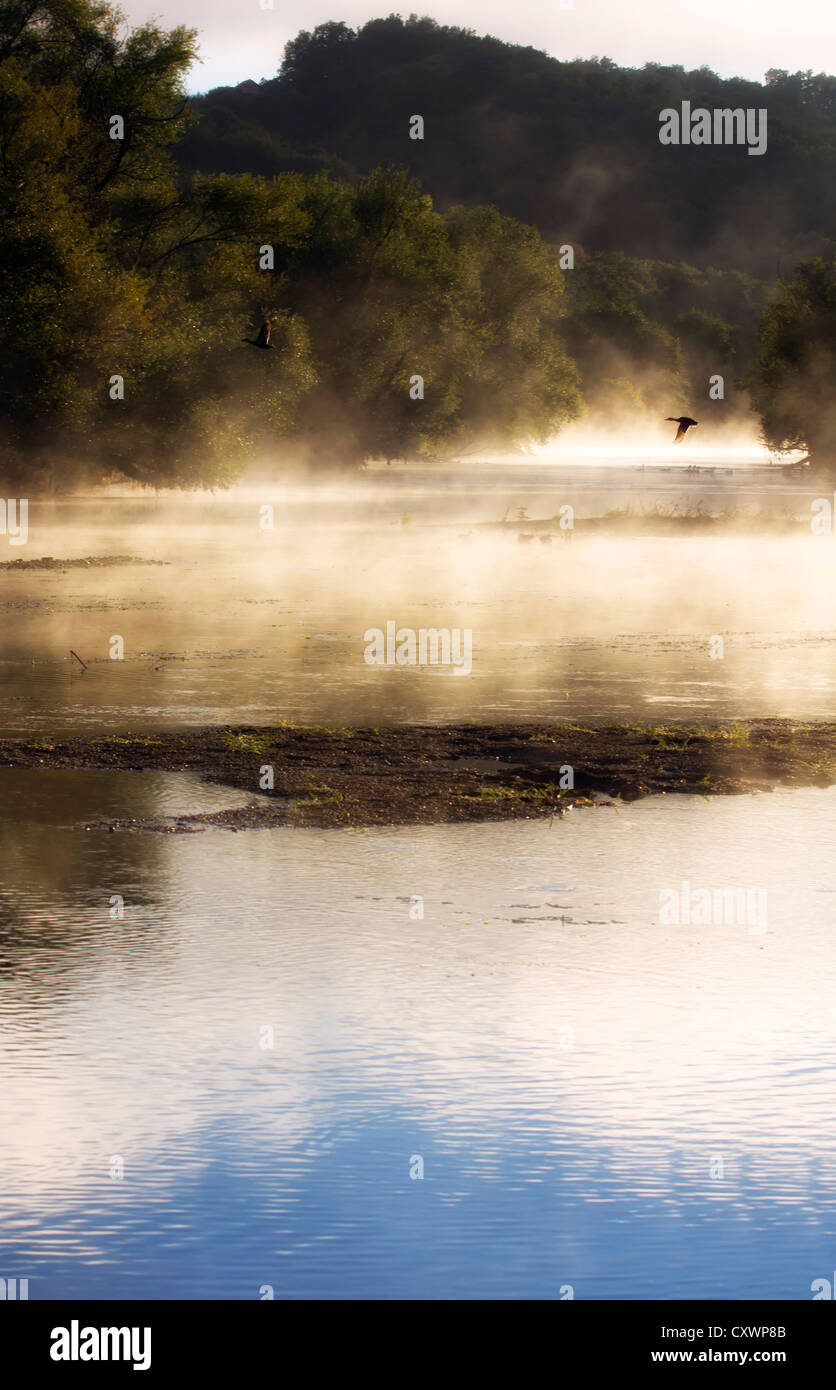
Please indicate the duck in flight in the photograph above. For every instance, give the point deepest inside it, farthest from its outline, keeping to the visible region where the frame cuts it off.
(685, 422)
(263, 339)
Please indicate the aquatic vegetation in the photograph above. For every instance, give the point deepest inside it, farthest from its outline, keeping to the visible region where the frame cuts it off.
(246, 743)
(130, 741)
(550, 792)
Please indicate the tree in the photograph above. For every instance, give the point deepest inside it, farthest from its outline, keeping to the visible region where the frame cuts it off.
(516, 383)
(127, 286)
(569, 147)
(393, 292)
(112, 267)
(793, 378)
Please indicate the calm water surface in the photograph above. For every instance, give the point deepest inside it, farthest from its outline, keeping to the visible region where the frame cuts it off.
(239, 624)
(229, 1085)
(599, 1100)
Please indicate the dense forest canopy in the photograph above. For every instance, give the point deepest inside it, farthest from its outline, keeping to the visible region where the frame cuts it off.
(143, 237)
(570, 147)
(129, 287)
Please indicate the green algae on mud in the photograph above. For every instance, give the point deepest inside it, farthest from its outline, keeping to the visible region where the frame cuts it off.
(425, 774)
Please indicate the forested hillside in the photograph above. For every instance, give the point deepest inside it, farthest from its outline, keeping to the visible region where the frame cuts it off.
(571, 147)
(550, 263)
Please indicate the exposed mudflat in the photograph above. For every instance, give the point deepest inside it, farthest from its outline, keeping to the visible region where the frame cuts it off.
(415, 774)
(87, 562)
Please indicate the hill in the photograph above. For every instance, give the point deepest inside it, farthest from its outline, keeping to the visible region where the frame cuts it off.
(570, 147)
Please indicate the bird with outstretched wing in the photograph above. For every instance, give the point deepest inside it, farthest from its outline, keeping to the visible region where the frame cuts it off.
(685, 422)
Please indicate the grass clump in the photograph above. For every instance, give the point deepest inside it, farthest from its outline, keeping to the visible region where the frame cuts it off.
(245, 743)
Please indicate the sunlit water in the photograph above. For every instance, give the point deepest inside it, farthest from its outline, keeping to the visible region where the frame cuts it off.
(223, 1057)
(248, 625)
(266, 1043)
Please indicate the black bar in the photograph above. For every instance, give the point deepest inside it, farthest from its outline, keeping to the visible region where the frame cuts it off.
(300, 1339)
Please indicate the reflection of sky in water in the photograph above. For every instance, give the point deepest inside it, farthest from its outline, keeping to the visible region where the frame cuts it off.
(566, 1066)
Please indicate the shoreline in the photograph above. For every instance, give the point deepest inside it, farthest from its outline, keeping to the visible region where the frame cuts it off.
(331, 778)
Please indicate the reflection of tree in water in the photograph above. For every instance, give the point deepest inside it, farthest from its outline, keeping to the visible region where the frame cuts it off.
(58, 879)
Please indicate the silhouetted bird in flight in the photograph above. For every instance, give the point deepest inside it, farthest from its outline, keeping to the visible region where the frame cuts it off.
(685, 422)
(263, 339)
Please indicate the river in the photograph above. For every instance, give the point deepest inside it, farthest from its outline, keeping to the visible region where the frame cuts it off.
(451, 1061)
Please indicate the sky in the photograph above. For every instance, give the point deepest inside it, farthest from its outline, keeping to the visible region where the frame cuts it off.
(239, 39)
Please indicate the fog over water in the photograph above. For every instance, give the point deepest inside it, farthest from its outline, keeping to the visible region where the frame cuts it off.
(326, 1034)
(253, 625)
(224, 1083)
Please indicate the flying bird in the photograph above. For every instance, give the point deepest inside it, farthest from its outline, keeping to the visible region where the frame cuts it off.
(685, 422)
(263, 339)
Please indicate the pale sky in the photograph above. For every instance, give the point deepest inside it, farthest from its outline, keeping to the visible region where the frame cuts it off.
(734, 37)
